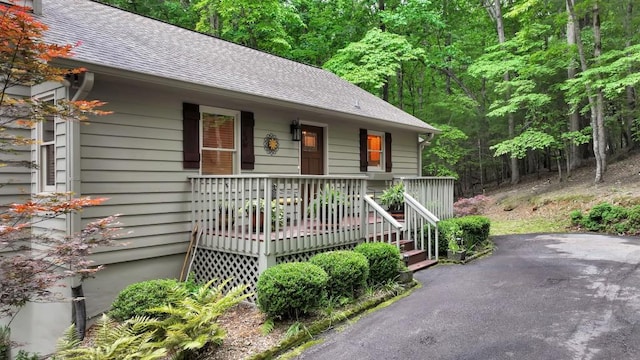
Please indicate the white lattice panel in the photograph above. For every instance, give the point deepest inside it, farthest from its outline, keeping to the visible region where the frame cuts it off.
(242, 269)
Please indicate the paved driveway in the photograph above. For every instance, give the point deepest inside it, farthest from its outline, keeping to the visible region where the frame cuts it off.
(538, 297)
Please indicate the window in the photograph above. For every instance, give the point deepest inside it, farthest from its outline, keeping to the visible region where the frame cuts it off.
(219, 144)
(46, 159)
(375, 151)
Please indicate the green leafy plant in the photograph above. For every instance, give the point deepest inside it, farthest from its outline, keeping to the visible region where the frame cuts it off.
(384, 261)
(291, 290)
(258, 206)
(25, 355)
(5, 341)
(190, 324)
(136, 299)
(393, 197)
(348, 272)
(326, 201)
(129, 340)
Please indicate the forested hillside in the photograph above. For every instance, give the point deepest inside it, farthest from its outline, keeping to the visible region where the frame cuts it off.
(516, 86)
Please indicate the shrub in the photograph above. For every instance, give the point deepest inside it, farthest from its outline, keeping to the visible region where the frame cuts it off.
(292, 289)
(475, 230)
(137, 298)
(384, 261)
(348, 272)
(576, 217)
(470, 206)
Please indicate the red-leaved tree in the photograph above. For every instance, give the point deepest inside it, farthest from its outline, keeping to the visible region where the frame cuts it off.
(32, 263)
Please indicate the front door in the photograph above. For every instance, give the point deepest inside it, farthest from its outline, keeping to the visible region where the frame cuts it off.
(312, 150)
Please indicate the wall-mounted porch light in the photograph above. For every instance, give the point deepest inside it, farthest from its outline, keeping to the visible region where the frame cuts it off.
(296, 131)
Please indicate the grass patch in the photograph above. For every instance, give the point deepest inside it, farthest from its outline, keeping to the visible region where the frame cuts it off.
(529, 226)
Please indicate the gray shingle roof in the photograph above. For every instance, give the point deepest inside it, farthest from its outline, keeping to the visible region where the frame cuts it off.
(118, 39)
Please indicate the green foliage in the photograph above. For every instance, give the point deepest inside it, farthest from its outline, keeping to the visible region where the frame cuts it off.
(473, 230)
(445, 151)
(190, 324)
(259, 206)
(326, 200)
(290, 290)
(606, 217)
(348, 272)
(529, 140)
(5, 340)
(384, 260)
(129, 340)
(393, 197)
(370, 61)
(25, 355)
(136, 299)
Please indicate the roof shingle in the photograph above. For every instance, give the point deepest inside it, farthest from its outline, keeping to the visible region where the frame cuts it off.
(118, 39)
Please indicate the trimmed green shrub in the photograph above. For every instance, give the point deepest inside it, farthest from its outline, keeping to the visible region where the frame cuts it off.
(137, 298)
(384, 261)
(576, 217)
(292, 289)
(348, 272)
(475, 230)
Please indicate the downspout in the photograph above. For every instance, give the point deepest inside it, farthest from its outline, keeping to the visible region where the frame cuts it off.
(421, 145)
(73, 184)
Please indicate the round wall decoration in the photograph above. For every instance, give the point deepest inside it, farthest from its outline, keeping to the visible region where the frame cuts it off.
(271, 144)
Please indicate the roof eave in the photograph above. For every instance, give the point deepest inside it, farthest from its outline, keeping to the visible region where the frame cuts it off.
(175, 83)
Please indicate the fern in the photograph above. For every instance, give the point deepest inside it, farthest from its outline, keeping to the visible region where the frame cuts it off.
(131, 340)
(267, 327)
(191, 324)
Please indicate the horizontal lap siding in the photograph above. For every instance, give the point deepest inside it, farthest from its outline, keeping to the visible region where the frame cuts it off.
(133, 157)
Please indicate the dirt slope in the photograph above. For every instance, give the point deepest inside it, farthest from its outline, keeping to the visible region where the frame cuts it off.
(547, 198)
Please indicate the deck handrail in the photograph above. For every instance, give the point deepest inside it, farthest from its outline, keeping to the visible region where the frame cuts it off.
(415, 217)
(392, 227)
(280, 176)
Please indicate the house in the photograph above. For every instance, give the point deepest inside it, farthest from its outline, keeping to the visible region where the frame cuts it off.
(200, 124)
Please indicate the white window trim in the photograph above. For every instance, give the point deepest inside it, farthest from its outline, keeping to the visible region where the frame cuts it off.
(41, 171)
(380, 168)
(236, 134)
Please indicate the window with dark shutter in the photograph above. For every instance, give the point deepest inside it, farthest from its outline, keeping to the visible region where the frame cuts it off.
(363, 150)
(375, 151)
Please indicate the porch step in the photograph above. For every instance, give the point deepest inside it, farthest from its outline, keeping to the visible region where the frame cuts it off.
(422, 265)
(407, 245)
(414, 256)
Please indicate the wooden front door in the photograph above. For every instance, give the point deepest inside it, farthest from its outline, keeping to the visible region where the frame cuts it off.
(312, 150)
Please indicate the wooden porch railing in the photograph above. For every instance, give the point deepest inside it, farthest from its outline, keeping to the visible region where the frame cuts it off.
(382, 226)
(434, 193)
(419, 219)
(271, 215)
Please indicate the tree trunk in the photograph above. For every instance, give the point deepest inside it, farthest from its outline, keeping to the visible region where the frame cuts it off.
(597, 144)
(574, 155)
(630, 91)
(600, 149)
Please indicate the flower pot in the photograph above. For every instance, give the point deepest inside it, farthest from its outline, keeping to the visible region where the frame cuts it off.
(456, 255)
(405, 277)
(225, 219)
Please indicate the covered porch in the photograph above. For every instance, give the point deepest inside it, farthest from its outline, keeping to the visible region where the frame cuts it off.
(246, 223)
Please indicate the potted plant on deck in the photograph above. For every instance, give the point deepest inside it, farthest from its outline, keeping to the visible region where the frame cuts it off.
(256, 210)
(328, 201)
(393, 198)
(226, 216)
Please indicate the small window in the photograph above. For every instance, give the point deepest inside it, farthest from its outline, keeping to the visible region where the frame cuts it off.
(219, 144)
(46, 161)
(375, 151)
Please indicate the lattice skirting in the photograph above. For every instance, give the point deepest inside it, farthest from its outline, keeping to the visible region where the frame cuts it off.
(241, 269)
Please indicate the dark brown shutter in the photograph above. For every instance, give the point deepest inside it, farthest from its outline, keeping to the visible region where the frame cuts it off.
(363, 150)
(246, 144)
(190, 136)
(387, 152)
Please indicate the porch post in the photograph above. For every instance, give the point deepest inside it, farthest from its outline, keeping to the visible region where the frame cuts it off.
(364, 217)
(265, 261)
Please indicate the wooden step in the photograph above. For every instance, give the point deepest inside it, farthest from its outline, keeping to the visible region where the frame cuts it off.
(407, 245)
(422, 265)
(414, 256)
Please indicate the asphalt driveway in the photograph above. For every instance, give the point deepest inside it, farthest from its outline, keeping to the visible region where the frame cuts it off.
(568, 296)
